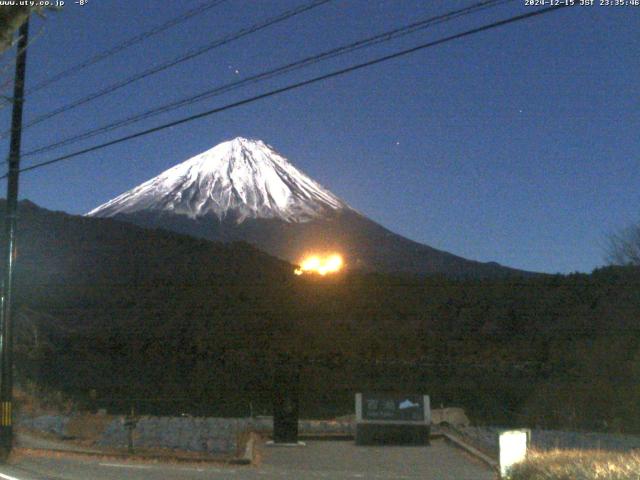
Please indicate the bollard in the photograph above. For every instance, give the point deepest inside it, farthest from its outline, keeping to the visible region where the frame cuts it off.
(130, 423)
(513, 448)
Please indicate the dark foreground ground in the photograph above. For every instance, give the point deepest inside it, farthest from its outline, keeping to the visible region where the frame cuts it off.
(318, 460)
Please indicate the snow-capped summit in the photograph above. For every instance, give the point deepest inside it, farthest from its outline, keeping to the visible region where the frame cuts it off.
(238, 179)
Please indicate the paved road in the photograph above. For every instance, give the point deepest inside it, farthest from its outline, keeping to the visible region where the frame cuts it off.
(319, 460)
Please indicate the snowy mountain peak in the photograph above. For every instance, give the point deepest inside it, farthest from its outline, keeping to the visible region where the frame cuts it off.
(237, 179)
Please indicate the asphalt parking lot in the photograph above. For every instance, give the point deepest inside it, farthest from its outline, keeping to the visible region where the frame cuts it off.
(316, 460)
(343, 459)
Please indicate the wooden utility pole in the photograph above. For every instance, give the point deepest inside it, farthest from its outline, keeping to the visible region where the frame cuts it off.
(9, 253)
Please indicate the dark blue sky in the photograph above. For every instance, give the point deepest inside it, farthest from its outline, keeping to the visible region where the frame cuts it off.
(519, 145)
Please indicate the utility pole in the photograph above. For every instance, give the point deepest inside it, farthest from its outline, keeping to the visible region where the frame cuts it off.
(9, 253)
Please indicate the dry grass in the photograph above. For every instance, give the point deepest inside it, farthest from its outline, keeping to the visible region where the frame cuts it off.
(578, 465)
(32, 400)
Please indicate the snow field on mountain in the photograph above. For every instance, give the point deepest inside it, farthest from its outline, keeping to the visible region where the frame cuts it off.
(238, 179)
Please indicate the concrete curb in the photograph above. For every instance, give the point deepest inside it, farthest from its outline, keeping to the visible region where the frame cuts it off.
(249, 452)
(327, 436)
(470, 450)
(167, 458)
(28, 445)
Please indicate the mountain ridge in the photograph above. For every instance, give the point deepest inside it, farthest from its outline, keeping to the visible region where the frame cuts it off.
(243, 190)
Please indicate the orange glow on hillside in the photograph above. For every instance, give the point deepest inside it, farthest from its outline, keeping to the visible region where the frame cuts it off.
(320, 264)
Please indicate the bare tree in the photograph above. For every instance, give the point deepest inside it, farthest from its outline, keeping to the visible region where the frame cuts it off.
(11, 17)
(624, 247)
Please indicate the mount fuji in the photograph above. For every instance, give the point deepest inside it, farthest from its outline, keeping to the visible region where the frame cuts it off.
(243, 190)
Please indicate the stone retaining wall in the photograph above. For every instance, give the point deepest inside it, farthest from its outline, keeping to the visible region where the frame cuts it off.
(54, 424)
(195, 434)
(207, 435)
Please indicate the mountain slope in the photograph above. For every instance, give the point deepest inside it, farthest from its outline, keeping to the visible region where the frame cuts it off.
(244, 190)
(134, 313)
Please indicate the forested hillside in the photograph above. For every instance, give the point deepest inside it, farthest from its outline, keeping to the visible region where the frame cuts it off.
(174, 324)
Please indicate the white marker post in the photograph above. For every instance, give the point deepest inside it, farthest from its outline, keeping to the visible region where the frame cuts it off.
(513, 448)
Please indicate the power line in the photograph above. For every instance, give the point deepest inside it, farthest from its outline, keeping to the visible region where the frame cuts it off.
(332, 53)
(126, 44)
(295, 86)
(176, 61)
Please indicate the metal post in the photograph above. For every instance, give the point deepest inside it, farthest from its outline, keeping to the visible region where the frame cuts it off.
(130, 424)
(9, 253)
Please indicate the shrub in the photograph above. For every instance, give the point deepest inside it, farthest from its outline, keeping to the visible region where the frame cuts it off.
(578, 465)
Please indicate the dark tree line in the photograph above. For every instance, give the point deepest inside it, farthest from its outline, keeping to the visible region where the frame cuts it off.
(174, 325)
